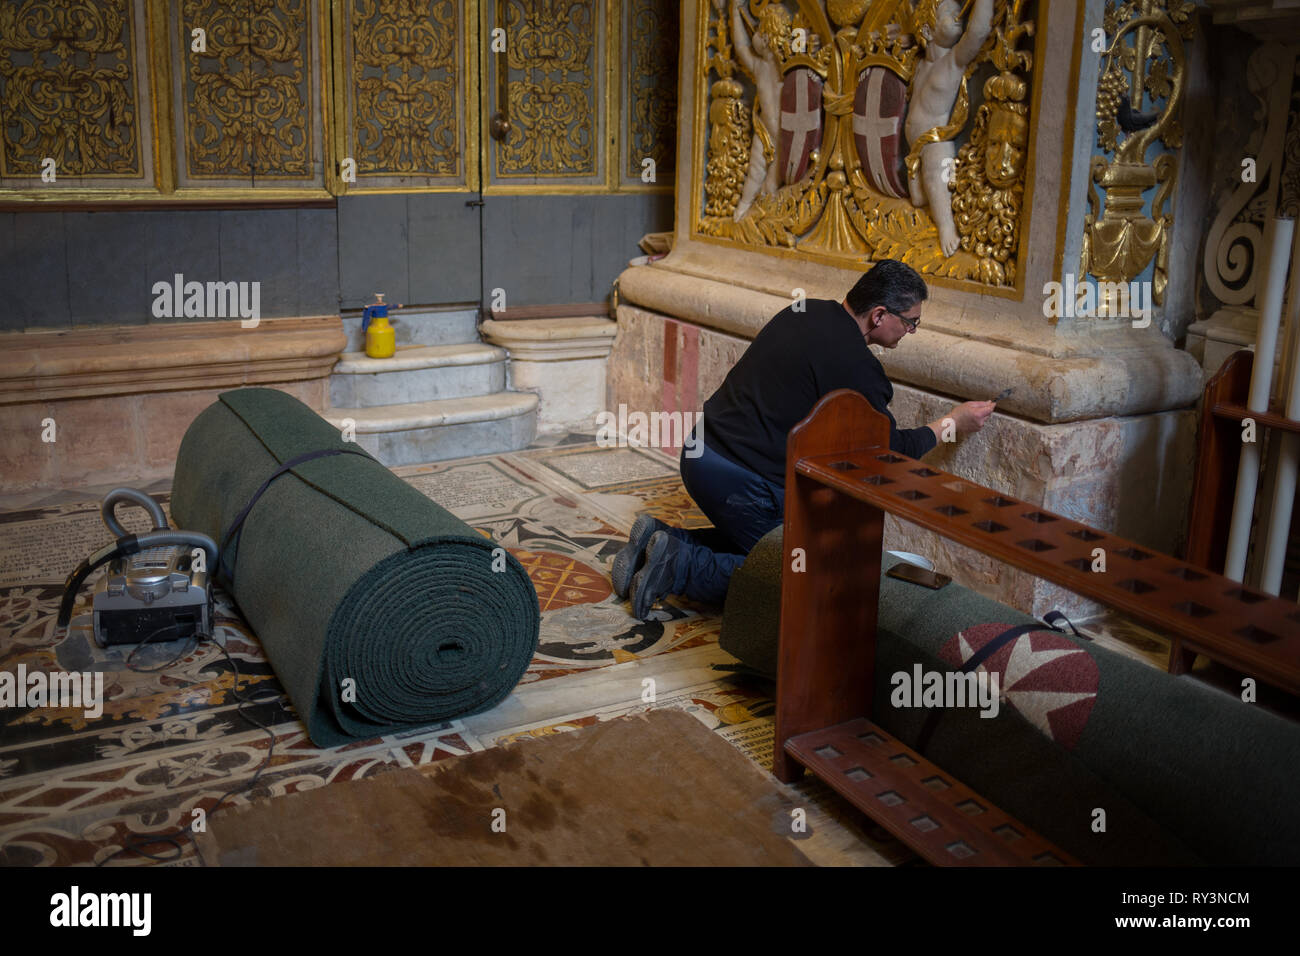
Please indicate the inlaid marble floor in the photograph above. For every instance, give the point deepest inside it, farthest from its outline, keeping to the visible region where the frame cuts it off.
(75, 790)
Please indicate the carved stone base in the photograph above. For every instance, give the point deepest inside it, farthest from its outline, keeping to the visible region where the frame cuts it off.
(1127, 474)
(1228, 330)
(966, 346)
(563, 360)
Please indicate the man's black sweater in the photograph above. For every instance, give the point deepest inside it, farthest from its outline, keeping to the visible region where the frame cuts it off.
(796, 359)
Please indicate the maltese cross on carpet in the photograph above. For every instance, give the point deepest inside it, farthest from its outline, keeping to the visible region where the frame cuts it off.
(1045, 676)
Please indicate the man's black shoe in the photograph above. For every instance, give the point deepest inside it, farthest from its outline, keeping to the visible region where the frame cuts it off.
(628, 561)
(655, 580)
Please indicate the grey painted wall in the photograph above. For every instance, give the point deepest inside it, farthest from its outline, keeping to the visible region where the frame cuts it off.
(416, 248)
(591, 240)
(62, 269)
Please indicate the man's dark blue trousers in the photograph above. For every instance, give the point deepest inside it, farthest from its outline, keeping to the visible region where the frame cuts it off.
(742, 506)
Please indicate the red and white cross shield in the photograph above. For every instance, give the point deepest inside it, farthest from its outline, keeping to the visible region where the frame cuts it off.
(801, 122)
(878, 109)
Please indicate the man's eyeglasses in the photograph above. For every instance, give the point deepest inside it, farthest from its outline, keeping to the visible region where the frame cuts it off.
(908, 323)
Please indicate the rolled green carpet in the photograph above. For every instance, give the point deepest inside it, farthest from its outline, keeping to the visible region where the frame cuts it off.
(379, 610)
(1185, 773)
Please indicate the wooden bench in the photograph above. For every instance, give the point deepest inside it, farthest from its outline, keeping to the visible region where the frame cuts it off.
(841, 479)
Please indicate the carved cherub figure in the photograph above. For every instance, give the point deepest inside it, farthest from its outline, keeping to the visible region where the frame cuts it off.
(948, 52)
(760, 55)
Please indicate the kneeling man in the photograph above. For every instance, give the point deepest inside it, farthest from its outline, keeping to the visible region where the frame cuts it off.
(738, 474)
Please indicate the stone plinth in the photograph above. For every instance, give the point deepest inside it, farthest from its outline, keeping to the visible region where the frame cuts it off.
(121, 399)
(1129, 474)
(1228, 330)
(563, 360)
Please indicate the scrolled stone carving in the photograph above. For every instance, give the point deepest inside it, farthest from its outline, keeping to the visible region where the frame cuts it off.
(405, 86)
(552, 66)
(247, 96)
(1233, 245)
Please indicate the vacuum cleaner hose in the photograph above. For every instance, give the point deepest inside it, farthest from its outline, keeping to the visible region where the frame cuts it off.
(135, 497)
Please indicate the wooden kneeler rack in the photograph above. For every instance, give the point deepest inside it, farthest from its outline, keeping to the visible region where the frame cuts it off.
(1218, 454)
(841, 479)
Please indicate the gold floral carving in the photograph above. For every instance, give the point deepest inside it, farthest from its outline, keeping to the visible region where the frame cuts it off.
(728, 149)
(1139, 96)
(405, 87)
(247, 98)
(551, 54)
(834, 210)
(989, 194)
(652, 86)
(728, 126)
(67, 88)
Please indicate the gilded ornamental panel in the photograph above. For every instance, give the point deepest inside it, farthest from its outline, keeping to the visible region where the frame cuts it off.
(73, 94)
(850, 130)
(403, 67)
(248, 104)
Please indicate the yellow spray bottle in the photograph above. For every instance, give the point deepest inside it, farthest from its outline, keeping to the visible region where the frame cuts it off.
(381, 340)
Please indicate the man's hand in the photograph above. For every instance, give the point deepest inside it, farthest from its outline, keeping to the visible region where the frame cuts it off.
(965, 418)
(970, 416)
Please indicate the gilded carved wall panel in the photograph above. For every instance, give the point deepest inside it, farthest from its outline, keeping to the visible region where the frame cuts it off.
(651, 34)
(404, 71)
(844, 129)
(554, 63)
(249, 98)
(71, 91)
(281, 99)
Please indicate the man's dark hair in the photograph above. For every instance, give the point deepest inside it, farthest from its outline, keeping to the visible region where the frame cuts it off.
(892, 284)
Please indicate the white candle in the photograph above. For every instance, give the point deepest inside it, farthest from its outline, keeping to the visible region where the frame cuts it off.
(1261, 378)
(1288, 459)
(1270, 316)
(1279, 518)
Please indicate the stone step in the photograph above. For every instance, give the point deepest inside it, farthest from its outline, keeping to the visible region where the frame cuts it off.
(419, 327)
(418, 432)
(417, 373)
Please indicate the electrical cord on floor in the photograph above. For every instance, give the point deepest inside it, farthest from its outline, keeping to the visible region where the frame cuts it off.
(194, 641)
(186, 832)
